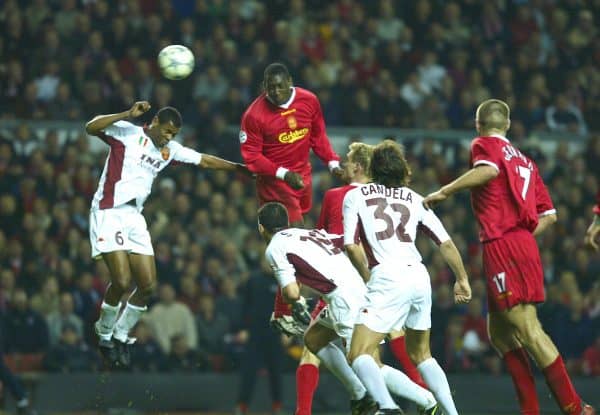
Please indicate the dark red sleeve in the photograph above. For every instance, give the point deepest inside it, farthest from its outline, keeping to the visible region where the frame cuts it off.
(483, 152)
(251, 146)
(597, 207)
(319, 141)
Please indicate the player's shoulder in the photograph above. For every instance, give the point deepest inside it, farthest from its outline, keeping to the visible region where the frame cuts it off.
(174, 145)
(416, 197)
(123, 127)
(338, 191)
(305, 93)
(256, 107)
(483, 140)
(356, 191)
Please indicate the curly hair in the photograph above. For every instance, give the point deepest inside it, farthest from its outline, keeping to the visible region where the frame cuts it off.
(389, 166)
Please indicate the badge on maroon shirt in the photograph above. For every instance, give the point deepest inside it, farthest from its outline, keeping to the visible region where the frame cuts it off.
(165, 152)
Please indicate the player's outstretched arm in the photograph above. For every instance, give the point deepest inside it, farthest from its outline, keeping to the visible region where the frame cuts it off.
(100, 122)
(475, 177)
(544, 223)
(216, 163)
(462, 288)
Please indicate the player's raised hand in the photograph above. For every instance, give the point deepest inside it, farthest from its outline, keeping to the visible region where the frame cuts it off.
(294, 180)
(139, 108)
(462, 292)
(592, 234)
(433, 198)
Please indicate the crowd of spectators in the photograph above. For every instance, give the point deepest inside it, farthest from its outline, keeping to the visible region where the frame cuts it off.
(425, 65)
(207, 247)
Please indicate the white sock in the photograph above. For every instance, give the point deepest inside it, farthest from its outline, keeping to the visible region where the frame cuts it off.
(106, 323)
(129, 317)
(333, 358)
(400, 385)
(369, 374)
(435, 378)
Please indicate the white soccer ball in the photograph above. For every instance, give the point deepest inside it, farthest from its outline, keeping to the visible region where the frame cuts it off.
(176, 62)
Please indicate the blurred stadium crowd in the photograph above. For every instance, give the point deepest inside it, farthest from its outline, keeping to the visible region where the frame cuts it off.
(371, 63)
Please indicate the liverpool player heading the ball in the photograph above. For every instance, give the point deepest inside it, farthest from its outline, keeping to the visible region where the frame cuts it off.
(278, 131)
(118, 231)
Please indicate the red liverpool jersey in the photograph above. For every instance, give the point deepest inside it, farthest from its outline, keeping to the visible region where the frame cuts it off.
(274, 136)
(597, 207)
(516, 198)
(332, 218)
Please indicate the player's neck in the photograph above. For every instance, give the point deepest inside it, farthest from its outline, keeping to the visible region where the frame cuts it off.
(359, 179)
(493, 131)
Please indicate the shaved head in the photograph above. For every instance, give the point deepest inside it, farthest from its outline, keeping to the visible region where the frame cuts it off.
(492, 114)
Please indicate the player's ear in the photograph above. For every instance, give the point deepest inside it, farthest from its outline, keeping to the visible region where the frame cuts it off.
(155, 121)
(507, 124)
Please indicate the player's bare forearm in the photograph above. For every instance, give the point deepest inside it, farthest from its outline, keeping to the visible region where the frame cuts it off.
(291, 292)
(544, 223)
(216, 163)
(475, 177)
(358, 258)
(100, 122)
(452, 257)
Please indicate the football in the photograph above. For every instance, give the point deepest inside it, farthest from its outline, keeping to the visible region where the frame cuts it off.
(176, 62)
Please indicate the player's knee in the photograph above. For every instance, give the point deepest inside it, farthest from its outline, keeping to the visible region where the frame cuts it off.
(355, 352)
(311, 342)
(530, 331)
(121, 282)
(147, 290)
(419, 354)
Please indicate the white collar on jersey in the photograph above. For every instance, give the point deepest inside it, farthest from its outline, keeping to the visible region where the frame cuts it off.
(501, 137)
(287, 104)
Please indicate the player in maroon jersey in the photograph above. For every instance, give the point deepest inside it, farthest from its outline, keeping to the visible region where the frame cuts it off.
(355, 172)
(594, 230)
(277, 133)
(512, 205)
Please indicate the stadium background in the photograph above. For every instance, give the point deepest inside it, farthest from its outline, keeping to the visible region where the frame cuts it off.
(413, 70)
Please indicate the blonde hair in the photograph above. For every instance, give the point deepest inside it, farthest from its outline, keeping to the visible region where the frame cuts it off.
(493, 114)
(361, 154)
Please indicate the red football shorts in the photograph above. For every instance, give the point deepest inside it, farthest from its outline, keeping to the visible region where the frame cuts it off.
(297, 202)
(318, 308)
(513, 270)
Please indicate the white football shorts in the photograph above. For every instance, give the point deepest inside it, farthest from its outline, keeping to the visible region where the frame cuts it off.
(341, 312)
(121, 228)
(397, 297)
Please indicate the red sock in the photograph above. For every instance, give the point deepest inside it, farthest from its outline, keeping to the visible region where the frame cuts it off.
(398, 347)
(560, 384)
(281, 308)
(519, 368)
(307, 379)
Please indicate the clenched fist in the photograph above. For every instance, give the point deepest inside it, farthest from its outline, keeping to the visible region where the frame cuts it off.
(139, 108)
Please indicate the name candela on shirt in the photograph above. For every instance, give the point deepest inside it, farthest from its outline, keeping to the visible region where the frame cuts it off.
(395, 192)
